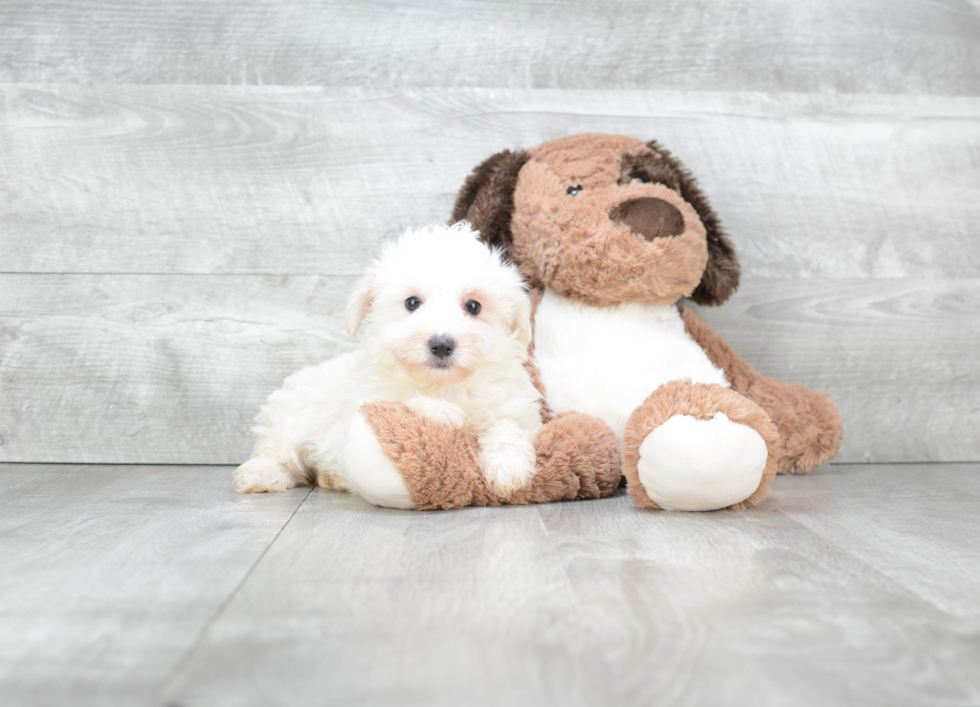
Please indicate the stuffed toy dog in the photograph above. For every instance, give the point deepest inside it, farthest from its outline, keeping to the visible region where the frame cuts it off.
(612, 232)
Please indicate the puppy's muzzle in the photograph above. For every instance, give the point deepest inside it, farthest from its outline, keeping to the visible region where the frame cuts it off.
(442, 348)
(649, 217)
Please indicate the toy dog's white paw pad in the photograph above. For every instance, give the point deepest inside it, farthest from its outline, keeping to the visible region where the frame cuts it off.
(688, 464)
(261, 474)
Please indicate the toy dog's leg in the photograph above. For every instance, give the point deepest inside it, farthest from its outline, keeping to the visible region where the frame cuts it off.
(369, 472)
(577, 457)
(437, 463)
(810, 427)
(696, 447)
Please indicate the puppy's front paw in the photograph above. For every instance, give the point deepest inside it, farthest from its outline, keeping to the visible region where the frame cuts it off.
(507, 457)
(262, 474)
(442, 411)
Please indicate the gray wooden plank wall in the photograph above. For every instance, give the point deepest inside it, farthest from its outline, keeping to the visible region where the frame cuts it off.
(188, 189)
(901, 46)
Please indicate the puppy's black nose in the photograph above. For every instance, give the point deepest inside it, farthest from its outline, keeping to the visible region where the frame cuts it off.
(441, 346)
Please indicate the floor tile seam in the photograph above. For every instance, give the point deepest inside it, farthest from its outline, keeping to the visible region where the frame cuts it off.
(593, 639)
(160, 689)
(871, 569)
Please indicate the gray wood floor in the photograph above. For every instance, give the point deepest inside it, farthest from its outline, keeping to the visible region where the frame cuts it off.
(188, 190)
(142, 585)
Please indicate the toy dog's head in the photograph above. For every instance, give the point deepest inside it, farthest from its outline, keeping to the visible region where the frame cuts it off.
(438, 304)
(602, 219)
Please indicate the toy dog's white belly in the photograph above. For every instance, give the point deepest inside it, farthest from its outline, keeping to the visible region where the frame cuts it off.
(605, 361)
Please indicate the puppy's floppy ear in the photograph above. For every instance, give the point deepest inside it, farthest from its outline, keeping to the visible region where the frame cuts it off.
(522, 320)
(722, 272)
(359, 304)
(486, 199)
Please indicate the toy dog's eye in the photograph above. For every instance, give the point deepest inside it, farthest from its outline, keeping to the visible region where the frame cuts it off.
(572, 191)
(641, 180)
(473, 307)
(413, 303)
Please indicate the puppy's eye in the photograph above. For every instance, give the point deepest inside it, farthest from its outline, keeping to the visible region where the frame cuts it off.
(473, 307)
(639, 179)
(413, 303)
(572, 191)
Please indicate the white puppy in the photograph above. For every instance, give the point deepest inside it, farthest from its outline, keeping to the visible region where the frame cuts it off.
(445, 326)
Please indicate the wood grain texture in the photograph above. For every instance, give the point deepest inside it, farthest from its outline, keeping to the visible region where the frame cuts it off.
(172, 369)
(360, 605)
(897, 356)
(190, 179)
(767, 607)
(121, 585)
(826, 46)
(111, 574)
(145, 369)
(925, 520)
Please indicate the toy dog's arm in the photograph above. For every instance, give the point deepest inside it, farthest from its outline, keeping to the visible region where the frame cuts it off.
(810, 429)
(577, 457)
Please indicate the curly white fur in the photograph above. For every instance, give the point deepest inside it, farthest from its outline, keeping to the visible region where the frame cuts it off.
(305, 431)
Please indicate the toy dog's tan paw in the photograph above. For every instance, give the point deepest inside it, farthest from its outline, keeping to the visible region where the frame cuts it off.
(696, 447)
(438, 463)
(810, 430)
(577, 457)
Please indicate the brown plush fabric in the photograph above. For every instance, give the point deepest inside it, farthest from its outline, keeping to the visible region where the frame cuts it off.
(810, 427)
(648, 165)
(571, 244)
(487, 197)
(577, 457)
(530, 366)
(608, 168)
(722, 273)
(701, 402)
(649, 217)
(596, 163)
(606, 219)
(439, 464)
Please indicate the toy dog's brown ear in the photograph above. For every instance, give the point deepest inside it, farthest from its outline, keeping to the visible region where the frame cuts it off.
(722, 272)
(487, 198)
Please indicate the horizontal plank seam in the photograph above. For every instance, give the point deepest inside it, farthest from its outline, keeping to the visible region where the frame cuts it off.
(181, 663)
(231, 466)
(293, 273)
(182, 274)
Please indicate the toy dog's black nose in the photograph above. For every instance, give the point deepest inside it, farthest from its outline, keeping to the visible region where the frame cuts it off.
(649, 217)
(441, 346)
